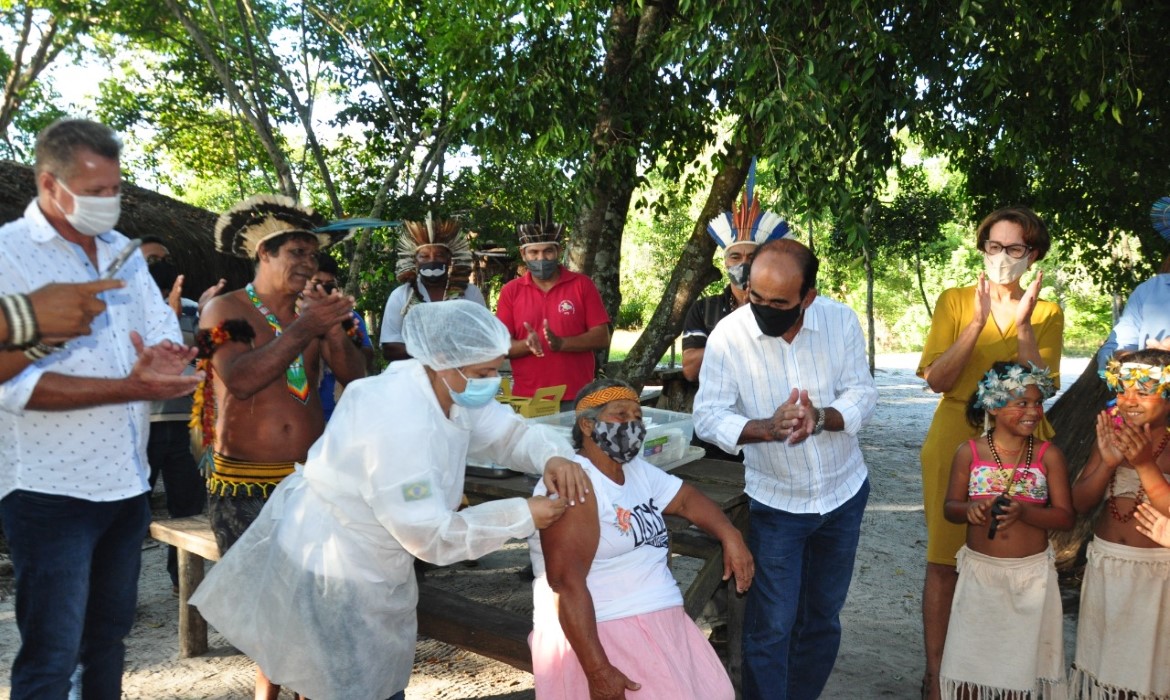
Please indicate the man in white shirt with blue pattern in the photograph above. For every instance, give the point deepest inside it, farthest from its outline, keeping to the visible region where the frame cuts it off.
(73, 423)
(785, 379)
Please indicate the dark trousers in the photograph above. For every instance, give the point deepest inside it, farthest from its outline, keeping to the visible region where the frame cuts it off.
(792, 624)
(76, 564)
(169, 452)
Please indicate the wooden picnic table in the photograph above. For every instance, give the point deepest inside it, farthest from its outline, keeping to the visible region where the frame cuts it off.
(481, 628)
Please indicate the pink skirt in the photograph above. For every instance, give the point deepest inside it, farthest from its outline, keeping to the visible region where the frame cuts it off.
(663, 650)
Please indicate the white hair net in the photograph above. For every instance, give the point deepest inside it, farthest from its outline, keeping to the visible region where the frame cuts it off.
(454, 333)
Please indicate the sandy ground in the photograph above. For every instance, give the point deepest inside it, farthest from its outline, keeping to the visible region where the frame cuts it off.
(880, 652)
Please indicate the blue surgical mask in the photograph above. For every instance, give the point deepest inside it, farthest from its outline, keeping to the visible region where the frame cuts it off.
(479, 391)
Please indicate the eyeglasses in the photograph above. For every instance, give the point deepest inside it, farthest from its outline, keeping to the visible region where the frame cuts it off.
(1016, 251)
(152, 259)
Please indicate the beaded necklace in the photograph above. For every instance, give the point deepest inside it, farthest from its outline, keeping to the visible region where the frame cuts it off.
(294, 376)
(1016, 467)
(1139, 497)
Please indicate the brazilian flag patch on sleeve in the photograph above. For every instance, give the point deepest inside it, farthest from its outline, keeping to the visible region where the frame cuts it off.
(416, 491)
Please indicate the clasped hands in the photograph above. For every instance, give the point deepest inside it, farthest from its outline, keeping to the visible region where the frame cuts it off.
(1118, 441)
(324, 312)
(532, 340)
(794, 420)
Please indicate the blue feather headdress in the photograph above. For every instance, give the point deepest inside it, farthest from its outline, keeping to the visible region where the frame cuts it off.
(748, 224)
(1160, 217)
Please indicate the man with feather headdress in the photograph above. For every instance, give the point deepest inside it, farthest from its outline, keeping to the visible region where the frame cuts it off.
(434, 264)
(738, 233)
(262, 348)
(556, 316)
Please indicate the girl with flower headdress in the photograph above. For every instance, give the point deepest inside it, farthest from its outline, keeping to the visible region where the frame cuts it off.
(1005, 633)
(1122, 641)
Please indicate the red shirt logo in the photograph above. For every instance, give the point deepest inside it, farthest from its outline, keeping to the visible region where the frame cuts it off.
(566, 307)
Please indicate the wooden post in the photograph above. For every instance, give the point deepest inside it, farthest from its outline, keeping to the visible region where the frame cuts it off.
(192, 626)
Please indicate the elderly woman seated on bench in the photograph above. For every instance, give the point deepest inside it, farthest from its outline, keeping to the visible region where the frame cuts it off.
(608, 614)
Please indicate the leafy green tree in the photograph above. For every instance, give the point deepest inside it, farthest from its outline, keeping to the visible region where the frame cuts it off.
(911, 226)
(40, 30)
(1057, 104)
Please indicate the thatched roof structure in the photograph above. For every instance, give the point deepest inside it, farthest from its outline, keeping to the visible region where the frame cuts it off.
(186, 229)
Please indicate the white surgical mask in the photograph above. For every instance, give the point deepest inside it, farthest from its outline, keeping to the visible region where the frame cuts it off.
(1003, 269)
(92, 215)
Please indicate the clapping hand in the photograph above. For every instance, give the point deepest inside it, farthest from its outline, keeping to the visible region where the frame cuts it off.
(1028, 302)
(793, 420)
(555, 342)
(982, 301)
(1111, 455)
(157, 374)
(532, 340)
(325, 312)
(1137, 445)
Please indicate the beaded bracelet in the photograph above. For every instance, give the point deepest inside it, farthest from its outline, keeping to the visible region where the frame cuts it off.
(22, 322)
(40, 351)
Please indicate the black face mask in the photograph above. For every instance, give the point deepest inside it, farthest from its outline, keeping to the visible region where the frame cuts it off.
(164, 273)
(433, 273)
(775, 322)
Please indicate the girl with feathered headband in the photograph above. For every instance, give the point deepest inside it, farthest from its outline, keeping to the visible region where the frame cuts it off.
(1005, 637)
(1127, 575)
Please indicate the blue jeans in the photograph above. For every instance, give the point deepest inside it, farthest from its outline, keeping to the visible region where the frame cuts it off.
(792, 625)
(76, 564)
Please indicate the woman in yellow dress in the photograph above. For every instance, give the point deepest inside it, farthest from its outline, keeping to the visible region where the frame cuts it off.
(972, 328)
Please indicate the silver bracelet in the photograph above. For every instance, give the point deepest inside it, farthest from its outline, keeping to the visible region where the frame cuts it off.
(22, 322)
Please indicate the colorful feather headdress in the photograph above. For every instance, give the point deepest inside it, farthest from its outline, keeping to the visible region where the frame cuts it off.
(1160, 217)
(541, 230)
(440, 232)
(747, 224)
(241, 229)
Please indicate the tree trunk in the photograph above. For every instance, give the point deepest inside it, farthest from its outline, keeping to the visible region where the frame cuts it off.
(1073, 416)
(871, 344)
(922, 285)
(692, 273)
(595, 246)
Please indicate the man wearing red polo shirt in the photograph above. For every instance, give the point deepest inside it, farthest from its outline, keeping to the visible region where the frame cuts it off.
(555, 316)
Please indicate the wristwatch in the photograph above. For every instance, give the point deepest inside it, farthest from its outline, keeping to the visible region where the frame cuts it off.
(820, 424)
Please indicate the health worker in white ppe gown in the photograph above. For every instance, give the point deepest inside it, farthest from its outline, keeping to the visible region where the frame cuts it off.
(320, 591)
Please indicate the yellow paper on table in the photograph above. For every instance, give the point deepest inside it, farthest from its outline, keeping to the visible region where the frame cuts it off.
(545, 402)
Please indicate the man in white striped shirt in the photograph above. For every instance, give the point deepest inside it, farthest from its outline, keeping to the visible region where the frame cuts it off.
(785, 378)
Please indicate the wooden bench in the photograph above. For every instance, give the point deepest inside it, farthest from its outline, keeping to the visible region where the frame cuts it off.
(192, 536)
(442, 615)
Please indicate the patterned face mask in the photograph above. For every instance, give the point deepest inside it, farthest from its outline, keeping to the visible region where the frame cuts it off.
(621, 441)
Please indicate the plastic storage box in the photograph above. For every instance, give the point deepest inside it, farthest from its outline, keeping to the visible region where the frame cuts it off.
(668, 433)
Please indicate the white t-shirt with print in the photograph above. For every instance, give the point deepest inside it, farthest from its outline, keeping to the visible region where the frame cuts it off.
(629, 575)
